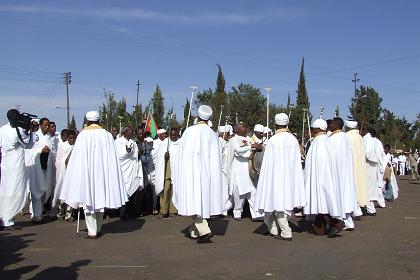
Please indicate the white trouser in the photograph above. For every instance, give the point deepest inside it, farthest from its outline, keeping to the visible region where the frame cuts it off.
(381, 198)
(272, 220)
(239, 200)
(348, 221)
(36, 207)
(94, 222)
(6, 222)
(402, 168)
(199, 227)
(371, 207)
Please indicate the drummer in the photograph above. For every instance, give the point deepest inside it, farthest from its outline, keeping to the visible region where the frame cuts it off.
(241, 187)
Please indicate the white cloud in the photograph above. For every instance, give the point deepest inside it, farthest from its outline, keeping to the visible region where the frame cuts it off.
(142, 14)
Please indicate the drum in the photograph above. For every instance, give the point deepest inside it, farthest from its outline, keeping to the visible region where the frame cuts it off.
(254, 165)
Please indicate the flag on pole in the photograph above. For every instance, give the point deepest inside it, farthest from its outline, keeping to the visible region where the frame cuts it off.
(151, 125)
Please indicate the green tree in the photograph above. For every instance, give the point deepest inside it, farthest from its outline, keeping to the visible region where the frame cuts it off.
(366, 107)
(114, 111)
(247, 104)
(217, 99)
(302, 102)
(158, 107)
(72, 124)
(186, 110)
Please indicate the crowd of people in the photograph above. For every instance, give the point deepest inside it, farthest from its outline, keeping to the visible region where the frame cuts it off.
(334, 175)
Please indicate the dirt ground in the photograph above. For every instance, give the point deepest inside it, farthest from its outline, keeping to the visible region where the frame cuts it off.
(381, 247)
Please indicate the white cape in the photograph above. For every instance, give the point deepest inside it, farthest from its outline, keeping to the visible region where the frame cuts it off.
(94, 178)
(322, 193)
(160, 163)
(131, 167)
(342, 153)
(375, 165)
(281, 185)
(63, 152)
(41, 181)
(199, 189)
(13, 190)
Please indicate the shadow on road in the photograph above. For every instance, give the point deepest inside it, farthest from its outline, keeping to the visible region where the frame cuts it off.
(123, 226)
(57, 272)
(10, 245)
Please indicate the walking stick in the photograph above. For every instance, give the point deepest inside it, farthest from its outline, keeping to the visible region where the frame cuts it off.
(78, 220)
(220, 117)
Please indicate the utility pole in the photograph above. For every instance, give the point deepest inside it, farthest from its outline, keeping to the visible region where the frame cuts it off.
(355, 80)
(67, 82)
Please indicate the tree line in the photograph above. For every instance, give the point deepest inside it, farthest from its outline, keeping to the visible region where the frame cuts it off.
(247, 103)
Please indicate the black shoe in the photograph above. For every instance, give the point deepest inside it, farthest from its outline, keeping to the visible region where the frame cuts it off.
(333, 233)
(279, 237)
(12, 228)
(206, 238)
(369, 214)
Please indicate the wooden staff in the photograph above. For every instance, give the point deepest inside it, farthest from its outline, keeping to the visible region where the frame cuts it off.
(303, 125)
(220, 117)
(309, 125)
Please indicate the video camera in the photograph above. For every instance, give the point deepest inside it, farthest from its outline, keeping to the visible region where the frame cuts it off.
(22, 120)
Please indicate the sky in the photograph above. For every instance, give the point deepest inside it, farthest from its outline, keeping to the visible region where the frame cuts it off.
(176, 44)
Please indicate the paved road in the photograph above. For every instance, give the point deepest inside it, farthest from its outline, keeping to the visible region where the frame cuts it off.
(381, 247)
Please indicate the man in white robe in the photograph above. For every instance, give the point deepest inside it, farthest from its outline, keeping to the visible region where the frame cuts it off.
(240, 184)
(359, 163)
(342, 153)
(13, 190)
(281, 186)
(258, 135)
(41, 169)
(224, 136)
(199, 192)
(375, 166)
(131, 167)
(167, 160)
(62, 158)
(323, 195)
(94, 178)
(402, 162)
(392, 183)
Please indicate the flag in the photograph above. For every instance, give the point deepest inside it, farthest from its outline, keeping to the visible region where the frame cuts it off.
(151, 125)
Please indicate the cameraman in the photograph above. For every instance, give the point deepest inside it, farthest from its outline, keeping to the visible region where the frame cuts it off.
(13, 191)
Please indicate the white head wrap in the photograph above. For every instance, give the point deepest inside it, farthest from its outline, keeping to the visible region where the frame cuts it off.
(320, 123)
(205, 112)
(281, 119)
(93, 116)
(350, 124)
(160, 131)
(259, 128)
(148, 139)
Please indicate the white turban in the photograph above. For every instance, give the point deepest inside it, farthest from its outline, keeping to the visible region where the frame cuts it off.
(161, 131)
(351, 124)
(93, 116)
(267, 130)
(320, 123)
(148, 139)
(205, 112)
(222, 129)
(35, 120)
(281, 119)
(259, 128)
